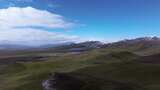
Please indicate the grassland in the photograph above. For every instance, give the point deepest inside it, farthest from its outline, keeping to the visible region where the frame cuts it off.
(101, 69)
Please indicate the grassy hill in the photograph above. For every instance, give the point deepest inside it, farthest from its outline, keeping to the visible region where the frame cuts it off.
(122, 73)
(29, 75)
(105, 68)
(133, 76)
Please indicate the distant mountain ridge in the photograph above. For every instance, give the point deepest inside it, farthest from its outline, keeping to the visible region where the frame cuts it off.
(78, 47)
(13, 47)
(144, 43)
(53, 48)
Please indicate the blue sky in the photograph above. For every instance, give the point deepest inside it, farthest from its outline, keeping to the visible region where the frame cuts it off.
(105, 20)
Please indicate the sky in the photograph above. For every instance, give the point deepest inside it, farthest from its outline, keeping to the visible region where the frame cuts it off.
(39, 22)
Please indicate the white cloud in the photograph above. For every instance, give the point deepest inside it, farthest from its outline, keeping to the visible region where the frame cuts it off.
(25, 17)
(33, 37)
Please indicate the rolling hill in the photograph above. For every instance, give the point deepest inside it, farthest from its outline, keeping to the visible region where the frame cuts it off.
(125, 65)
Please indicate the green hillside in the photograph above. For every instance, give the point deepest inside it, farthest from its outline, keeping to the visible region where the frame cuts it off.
(99, 69)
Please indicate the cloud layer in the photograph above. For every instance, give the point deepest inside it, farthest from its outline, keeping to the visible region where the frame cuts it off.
(33, 37)
(26, 17)
(16, 26)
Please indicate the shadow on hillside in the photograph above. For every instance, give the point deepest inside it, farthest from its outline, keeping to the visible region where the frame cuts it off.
(65, 81)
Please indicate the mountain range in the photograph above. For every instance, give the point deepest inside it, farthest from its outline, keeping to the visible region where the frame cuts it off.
(138, 43)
